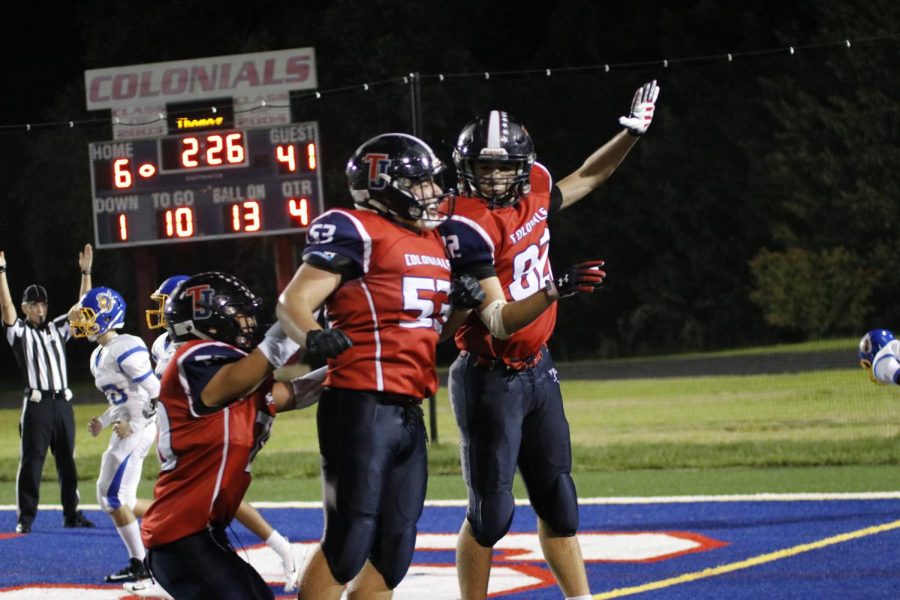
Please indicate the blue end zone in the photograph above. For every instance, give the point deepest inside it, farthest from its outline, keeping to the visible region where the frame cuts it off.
(834, 548)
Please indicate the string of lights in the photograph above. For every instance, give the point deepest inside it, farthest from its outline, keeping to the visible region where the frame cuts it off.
(440, 77)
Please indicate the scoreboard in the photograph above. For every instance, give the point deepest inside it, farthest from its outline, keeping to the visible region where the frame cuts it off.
(204, 185)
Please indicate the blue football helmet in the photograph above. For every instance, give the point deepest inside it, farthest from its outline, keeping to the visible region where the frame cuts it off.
(870, 345)
(100, 310)
(156, 318)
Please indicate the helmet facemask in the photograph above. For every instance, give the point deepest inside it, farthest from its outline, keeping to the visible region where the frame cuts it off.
(156, 317)
(83, 323)
(421, 201)
(500, 182)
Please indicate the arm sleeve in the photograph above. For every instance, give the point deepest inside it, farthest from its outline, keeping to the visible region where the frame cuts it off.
(469, 247)
(335, 243)
(343, 266)
(134, 361)
(198, 366)
(555, 200)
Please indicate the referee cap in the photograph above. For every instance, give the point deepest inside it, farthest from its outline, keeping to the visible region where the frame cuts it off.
(34, 293)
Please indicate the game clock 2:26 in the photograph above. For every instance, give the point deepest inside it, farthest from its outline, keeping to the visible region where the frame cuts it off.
(205, 185)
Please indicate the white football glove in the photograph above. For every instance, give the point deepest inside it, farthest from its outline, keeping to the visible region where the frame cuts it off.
(642, 106)
(277, 347)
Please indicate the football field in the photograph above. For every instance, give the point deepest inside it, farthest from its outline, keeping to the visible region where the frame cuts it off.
(775, 485)
(753, 546)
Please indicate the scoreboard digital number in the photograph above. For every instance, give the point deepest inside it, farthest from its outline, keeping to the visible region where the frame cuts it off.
(206, 185)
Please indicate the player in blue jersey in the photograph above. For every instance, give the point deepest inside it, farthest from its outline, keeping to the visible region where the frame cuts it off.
(122, 372)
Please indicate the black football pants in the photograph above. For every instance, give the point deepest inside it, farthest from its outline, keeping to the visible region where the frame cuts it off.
(49, 423)
(204, 566)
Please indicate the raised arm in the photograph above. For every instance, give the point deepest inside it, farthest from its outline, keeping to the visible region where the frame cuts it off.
(7, 308)
(603, 162)
(85, 262)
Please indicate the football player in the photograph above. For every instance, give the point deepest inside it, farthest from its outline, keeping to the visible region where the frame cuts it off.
(879, 355)
(121, 368)
(382, 275)
(504, 387)
(161, 351)
(217, 403)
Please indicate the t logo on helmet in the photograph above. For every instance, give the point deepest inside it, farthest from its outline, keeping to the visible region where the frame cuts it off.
(201, 298)
(378, 164)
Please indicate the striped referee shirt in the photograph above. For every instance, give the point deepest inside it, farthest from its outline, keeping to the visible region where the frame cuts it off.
(40, 352)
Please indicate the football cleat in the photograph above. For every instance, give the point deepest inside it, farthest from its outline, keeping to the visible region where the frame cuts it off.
(78, 520)
(133, 571)
(147, 588)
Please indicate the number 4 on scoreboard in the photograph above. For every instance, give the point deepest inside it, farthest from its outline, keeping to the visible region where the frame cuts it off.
(298, 208)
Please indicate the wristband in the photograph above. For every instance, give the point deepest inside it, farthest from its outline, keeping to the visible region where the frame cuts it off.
(2, 268)
(85, 272)
(551, 291)
(308, 389)
(277, 347)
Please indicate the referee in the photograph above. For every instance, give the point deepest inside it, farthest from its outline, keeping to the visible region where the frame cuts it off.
(47, 418)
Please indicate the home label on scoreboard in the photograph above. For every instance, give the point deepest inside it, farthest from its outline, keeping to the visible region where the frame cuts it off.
(204, 185)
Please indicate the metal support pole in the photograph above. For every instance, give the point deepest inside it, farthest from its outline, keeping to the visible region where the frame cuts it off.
(432, 418)
(415, 101)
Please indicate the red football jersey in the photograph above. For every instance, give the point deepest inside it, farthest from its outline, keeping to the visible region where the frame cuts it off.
(205, 452)
(516, 240)
(394, 312)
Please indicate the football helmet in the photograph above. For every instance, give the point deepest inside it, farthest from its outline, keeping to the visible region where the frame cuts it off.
(100, 310)
(214, 306)
(386, 172)
(155, 317)
(499, 141)
(871, 344)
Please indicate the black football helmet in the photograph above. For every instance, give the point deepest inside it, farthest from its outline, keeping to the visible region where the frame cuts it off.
(499, 140)
(384, 172)
(214, 306)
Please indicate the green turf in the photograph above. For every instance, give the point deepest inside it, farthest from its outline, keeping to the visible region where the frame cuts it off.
(687, 435)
